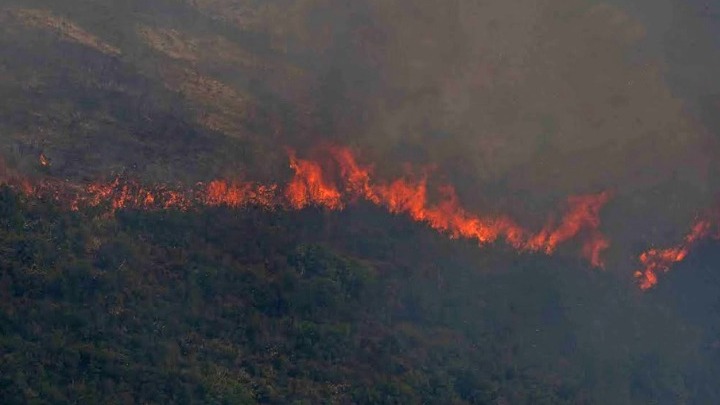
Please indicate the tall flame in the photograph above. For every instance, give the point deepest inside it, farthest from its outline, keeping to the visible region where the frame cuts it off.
(309, 186)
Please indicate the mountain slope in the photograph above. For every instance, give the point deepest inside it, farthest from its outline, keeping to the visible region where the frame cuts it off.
(251, 306)
(516, 107)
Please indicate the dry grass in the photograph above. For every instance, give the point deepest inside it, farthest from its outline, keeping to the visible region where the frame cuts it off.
(180, 46)
(222, 107)
(65, 28)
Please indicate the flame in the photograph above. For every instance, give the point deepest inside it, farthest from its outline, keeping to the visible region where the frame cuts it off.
(593, 248)
(126, 194)
(356, 177)
(404, 196)
(309, 186)
(655, 261)
(44, 161)
(235, 195)
(584, 214)
(333, 184)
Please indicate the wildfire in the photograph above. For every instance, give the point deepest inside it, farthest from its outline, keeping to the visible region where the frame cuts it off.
(655, 261)
(357, 178)
(126, 194)
(593, 248)
(333, 183)
(235, 195)
(309, 186)
(584, 214)
(339, 179)
(411, 197)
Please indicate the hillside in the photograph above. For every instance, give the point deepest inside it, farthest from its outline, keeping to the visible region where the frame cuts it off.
(251, 306)
(358, 201)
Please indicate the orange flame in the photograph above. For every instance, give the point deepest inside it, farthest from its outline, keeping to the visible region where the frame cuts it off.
(584, 214)
(124, 194)
(593, 248)
(655, 261)
(357, 178)
(332, 185)
(448, 216)
(235, 195)
(44, 161)
(347, 181)
(309, 186)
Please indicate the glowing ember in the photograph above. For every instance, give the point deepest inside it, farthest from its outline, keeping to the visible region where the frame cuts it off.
(44, 161)
(123, 194)
(235, 195)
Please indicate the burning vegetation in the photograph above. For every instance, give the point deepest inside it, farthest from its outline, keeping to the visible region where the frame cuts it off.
(655, 261)
(335, 182)
(338, 180)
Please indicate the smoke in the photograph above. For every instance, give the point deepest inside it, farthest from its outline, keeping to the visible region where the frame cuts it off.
(518, 105)
(3, 170)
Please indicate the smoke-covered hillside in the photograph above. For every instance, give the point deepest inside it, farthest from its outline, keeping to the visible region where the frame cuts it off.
(367, 201)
